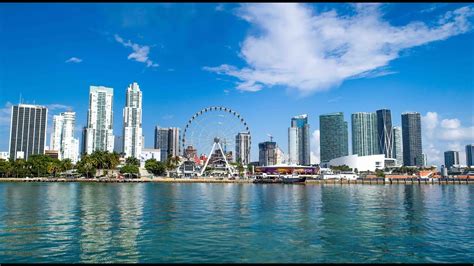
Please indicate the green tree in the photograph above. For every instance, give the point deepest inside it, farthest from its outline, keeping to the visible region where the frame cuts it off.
(172, 163)
(132, 161)
(66, 165)
(20, 168)
(38, 164)
(129, 169)
(86, 166)
(155, 167)
(5, 168)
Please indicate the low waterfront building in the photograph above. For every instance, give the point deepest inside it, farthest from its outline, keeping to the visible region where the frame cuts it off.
(4, 155)
(284, 169)
(361, 163)
(52, 153)
(147, 154)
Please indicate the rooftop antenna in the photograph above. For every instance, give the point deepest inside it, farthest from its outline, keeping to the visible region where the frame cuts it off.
(271, 137)
(20, 98)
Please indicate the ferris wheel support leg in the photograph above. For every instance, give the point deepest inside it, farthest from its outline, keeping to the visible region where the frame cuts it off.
(225, 159)
(208, 158)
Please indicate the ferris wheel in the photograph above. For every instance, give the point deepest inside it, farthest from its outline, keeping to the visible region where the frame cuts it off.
(213, 130)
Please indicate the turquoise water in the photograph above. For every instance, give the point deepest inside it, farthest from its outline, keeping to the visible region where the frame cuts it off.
(74, 222)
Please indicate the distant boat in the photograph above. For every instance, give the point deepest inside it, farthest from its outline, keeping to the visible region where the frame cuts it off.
(289, 179)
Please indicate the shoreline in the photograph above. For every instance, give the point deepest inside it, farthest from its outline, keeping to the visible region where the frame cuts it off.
(236, 181)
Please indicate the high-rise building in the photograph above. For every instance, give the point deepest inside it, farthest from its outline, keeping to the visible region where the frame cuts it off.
(132, 122)
(469, 155)
(384, 132)
(27, 130)
(298, 140)
(411, 137)
(174, 140)
(242, 147)
(451, 158)
(267, 153)
(333, 136)
(167, 141)
(397, 145)
(98, 134)
(364, 134)
(62, 136)
(425, 159)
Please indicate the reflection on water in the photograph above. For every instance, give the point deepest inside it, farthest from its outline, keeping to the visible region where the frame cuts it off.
(130, 223)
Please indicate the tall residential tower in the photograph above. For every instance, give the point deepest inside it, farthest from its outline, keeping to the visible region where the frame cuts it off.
(98, 134)
(242, 147)
(62, 136)
(333, 136)
(411, 137)
(132, 122)
(364, 134)
(298, 140)
(384, 132)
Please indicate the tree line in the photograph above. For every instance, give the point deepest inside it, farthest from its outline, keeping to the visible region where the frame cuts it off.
(98, 163)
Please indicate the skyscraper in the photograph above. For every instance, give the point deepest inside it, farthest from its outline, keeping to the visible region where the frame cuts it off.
(132, 122)
(161, 142)
(27, 130)
(118, 144)
(167, 141)
(298, 140)
(98, 134)
(267, 153)
(451, 158)
(469, 153)
(174, 140)
(364, 134)
(397, 145)
(242, 147)
(411, 137)
(62, 136)
(384, 132)
(333, 136)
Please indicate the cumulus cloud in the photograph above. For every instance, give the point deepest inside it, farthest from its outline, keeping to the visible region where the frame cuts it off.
(315, 156)
(5, 114)
(306, 51)
(140, 52)
(73, 60)
(440, 135)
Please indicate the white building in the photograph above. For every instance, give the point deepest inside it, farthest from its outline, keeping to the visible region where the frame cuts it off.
(147, 154)
(280, 156)
(132, 122)
(62, 136)
(361, 163)
(242, 147)
(98, 134)
(4, 155)
(293, 145)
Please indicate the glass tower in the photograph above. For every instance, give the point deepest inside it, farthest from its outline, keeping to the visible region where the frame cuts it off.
(132, 122)
(333, 136)
(411, 137)
(27, 130)
(469, 153)
(298, 140)
(384, 132)
(364, 134)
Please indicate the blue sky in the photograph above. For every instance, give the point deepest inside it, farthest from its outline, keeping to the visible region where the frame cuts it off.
(268, 62)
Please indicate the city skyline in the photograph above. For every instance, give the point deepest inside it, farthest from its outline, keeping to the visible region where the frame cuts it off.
(169, 99)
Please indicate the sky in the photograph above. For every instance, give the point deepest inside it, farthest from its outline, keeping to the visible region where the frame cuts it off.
(268, 62)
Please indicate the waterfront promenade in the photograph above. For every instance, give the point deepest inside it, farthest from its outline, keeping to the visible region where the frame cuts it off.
(370, 181)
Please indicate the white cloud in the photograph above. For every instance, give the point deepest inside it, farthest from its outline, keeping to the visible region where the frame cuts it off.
(220, 7)
(5, 114)
(449, 134)
(451, 123)
(140, 52)
(315, 156)
(308, 51)
(73, 60)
